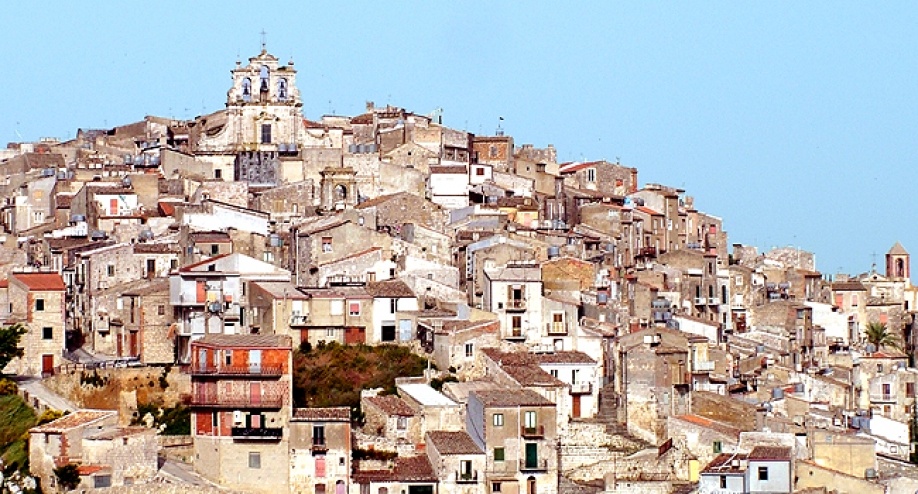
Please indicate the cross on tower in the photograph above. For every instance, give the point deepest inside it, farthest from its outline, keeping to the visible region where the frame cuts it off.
(873, 256)
(264, 40)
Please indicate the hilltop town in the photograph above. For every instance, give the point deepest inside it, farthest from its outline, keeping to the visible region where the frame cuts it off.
(583, 332)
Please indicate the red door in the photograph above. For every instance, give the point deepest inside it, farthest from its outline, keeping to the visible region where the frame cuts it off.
(576, 402)
(133, 343)
(47, 364)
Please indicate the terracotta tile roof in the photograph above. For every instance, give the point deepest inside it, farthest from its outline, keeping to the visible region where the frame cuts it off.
(4, 283)
(392, 405)
(407, 469)
(156, 248)
(389, 289)
(453, 443)
(710, 424)
(63, 200)
(770, 453)
(531, 375)
(455, 169)
(456, 325)
(167, 207)
(211, 237)
(649, 211)
(723, 465)
(564, 357)
(511, 398)
(898, 250)
(90, 469)
(848, 286)
(885, 355)
(377, 200)
(245, 341)
(327, 414)
(75, 419)
(42, 282)
(366, 118)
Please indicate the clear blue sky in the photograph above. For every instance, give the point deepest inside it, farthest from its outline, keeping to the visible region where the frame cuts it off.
(794, 121)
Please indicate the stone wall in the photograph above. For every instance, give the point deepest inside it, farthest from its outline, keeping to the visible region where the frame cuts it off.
(105, 394)
(724, 409)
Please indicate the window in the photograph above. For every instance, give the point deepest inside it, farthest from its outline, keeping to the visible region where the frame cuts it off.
(402, 423)
(723, 481)
(39, 304)
(469, 349)
(266, 133)
(326, 244)
(269, 256)
(498, 454)
(393, 305)
(591, 175)
(218, 173)
(215, 419)
(910, 390)
(465, 469)
(554, 373)
(161, 310)
(492, 151)
(763, 473)
(282, 89)
(318, 435)
(100, 481)
(246, 89)
(498, 419)
(214, 249)
(111, 270)
(228, 354)
(879, 368)
(353, 309)
(173, 264)
(254, 459)
(530, 420)
(47, 333)
(479, 171)
(718, 447)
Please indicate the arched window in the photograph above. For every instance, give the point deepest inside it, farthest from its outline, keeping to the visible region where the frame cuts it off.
(282, 89)
(340, 192)
(247, 89)
(900, 268)
(264, 79)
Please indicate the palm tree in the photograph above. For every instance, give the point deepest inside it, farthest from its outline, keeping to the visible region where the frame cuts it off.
(879, 335)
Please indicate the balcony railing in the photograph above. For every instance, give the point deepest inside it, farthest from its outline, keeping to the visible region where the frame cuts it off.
(248, 370)
(536, 465)
(257, 433)
(581, 388)
(221, 400)
(516, 334)
(467, 477)
(704, 365)
(319, 447)
(515, 304)
(700, 301)
(556, 328)
(299, 320)
(875, 397)
(537, 431)
(647, 252)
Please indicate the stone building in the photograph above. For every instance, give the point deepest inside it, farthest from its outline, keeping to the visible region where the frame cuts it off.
(241, 402)
(320, 450)
(36, 300)
(458, 461)
(61, 442)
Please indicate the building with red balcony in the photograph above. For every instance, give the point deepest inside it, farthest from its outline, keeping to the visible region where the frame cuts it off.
(241, 406)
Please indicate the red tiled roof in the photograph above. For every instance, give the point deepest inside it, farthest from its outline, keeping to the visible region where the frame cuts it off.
(770, 453)
(407, 469)
(89, 469)
(389, 289)
(327, 414)
(453, 443)
(75, 419)
(649, 211)
(41, 281)
(392, 405)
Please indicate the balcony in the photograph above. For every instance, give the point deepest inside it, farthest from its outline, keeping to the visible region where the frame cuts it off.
(221, 400)
(515, 305)
(556, 328)
(257, 433)
(299, 320)
(882, 397)
(704, 366)
(581, 388)
(701, 301)
(536, 465)
(516, 334)
(533, 432)
(248, 370)
(713, 301)
(319, 447)
(647, 252)
(467, 477)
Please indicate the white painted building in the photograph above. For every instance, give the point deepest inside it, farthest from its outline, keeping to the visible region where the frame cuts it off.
(514, 293)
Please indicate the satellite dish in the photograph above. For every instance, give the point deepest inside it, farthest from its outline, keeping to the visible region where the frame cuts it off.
(215, 307)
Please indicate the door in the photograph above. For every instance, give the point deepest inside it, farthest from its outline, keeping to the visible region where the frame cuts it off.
(339, 487)
(47, 364)
(404, 330)
(576, 406)
(255, 393)
(255, 361)
(132, 343)
(320, 466)
(202, 359)
(532, 455)
(151, 269)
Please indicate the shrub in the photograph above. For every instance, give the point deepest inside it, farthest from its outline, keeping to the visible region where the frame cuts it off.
(68, 476)
(8, 387)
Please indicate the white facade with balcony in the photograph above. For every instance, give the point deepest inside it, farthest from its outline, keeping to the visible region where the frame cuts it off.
(514, 293)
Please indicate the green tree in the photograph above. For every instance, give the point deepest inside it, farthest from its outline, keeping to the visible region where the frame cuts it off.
(68, 476)
(879, 334)
(9, 343)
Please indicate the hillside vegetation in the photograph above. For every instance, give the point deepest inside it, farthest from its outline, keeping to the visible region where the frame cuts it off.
(16, 418)
(333, 374)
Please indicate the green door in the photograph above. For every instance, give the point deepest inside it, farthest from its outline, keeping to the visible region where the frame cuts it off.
(532, 455)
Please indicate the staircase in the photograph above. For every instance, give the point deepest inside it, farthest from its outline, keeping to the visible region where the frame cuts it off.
(613, 416)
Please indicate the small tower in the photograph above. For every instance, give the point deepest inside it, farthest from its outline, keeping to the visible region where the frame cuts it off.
(339, 188)
(897, 262)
